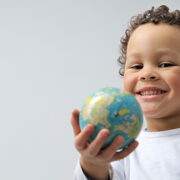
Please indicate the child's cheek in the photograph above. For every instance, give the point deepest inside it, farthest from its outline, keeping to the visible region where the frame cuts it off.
(174, 84)
(129, 82)
(173, 80)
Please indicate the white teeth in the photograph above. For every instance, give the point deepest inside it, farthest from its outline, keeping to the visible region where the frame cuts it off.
(152, 92)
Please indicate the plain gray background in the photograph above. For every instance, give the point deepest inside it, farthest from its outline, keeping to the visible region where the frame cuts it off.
(53, 53)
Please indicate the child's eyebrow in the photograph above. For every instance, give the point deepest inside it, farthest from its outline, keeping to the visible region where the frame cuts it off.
(159, 52)
(135, 55)
(167, 51)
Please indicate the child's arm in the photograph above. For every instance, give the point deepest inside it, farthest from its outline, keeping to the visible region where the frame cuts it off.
(94, 161)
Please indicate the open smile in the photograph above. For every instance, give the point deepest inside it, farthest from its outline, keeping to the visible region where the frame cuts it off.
(150, 93)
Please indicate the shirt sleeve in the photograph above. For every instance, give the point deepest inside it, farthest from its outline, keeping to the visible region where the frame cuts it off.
(78, 173)
(116, 172)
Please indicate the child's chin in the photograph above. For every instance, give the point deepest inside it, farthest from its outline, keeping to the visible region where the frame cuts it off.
(152, 115)
(150, 112)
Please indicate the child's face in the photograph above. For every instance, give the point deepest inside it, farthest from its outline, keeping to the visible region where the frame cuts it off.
(152, 70)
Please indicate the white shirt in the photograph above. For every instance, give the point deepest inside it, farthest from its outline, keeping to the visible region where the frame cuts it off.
(156, 158)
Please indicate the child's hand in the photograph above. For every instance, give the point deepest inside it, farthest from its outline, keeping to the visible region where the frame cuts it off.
(91, 154)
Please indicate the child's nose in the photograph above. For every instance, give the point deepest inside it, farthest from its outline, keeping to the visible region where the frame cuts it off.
(149, 75)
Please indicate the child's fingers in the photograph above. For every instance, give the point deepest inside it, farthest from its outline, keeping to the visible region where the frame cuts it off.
(75, 121)
(81, 138)
(96, 145)
(125, 152)
(109, 152)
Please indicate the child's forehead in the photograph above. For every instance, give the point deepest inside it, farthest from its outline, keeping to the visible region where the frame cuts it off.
(157, 28)
(155, 35)
(150, 39)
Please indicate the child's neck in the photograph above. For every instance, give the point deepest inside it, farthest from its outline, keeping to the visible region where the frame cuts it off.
(163, 124)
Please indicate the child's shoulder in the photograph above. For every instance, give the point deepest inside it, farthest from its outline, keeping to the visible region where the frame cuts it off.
(145, 133)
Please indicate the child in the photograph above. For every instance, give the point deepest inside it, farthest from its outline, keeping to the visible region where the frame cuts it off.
(151, 68)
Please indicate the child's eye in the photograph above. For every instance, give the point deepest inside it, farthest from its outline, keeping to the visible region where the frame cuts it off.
(166, 64)
(137, 66)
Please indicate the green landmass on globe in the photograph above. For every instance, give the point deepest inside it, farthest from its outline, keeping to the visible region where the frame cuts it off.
(113, 109)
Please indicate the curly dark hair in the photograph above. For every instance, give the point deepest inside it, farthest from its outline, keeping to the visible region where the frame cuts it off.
(157, 15)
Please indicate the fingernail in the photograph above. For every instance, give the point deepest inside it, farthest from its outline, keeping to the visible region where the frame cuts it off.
(105, 134)
(120, 138)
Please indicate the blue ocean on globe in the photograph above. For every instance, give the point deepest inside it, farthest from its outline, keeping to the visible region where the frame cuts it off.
(113, 109)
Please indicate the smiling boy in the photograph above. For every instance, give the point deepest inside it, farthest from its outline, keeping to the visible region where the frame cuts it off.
(152, 74)
(151, 68)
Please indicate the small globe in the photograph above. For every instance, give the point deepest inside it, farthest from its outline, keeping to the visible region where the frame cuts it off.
(113, 109)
